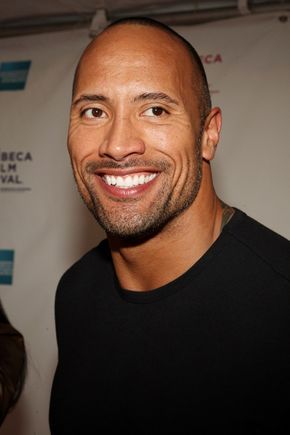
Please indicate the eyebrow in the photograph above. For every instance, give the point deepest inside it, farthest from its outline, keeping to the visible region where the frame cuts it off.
(155, 96)
(142, 97)
(89, 97)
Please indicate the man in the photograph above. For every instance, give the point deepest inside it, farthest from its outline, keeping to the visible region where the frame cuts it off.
(179, 321)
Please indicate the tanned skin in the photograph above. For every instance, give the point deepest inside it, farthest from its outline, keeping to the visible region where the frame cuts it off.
(122, 126)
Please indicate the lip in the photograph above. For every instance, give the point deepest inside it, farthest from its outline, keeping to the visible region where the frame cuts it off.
(126, 171)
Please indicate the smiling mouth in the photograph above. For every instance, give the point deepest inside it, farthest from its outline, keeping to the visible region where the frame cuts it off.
(128, 181)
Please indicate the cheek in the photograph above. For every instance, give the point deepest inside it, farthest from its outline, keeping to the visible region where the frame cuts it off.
(185, 166)
(83, 142)
(176, 144)
(165, 138)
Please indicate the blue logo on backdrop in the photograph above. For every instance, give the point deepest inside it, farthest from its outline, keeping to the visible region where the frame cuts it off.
(6, 266)
(13, 75)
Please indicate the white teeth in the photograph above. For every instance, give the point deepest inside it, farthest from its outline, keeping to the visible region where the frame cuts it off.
(128, 181)
(135, 180)
(119, 181)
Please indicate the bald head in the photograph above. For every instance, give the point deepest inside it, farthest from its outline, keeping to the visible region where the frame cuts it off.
(171, 43)
(137, 116)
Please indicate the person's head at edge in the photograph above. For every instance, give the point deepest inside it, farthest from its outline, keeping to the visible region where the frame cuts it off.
(141, 136)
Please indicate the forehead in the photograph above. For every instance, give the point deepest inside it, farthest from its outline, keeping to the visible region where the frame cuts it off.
(135, 53)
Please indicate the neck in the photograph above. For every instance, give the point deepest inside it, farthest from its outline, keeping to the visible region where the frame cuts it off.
(158, 260)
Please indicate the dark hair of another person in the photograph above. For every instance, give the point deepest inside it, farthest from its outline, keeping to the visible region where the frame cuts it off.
(12, 365)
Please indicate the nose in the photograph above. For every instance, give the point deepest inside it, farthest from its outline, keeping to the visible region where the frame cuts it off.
(122, 140)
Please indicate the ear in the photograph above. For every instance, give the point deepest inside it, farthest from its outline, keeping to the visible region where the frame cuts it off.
(211, 133)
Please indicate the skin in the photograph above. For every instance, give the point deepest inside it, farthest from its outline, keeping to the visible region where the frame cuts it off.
(145, 120)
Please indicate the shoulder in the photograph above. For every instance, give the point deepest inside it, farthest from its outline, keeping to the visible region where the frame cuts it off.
(260, 241)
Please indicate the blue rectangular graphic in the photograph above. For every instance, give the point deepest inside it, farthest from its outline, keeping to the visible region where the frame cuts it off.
(6, 266)
(13, 75)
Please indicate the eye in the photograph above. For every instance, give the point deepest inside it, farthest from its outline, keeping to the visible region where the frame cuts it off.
(93, 112)
(155, 111)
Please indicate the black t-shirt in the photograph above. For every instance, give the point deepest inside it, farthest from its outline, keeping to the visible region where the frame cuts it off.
(207, 353)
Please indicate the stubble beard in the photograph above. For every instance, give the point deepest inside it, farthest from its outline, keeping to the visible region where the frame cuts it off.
(125, 220)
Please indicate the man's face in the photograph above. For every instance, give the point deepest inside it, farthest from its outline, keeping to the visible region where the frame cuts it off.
(134, 131)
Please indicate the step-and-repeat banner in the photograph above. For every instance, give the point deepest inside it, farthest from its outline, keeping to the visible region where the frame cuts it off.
(45, 227)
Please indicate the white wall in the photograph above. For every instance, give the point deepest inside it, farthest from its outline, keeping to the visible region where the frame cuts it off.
(48, 227)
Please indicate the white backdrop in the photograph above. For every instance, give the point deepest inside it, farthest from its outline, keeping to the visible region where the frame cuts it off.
(46, 224)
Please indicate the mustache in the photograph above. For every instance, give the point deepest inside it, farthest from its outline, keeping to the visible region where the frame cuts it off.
(93, 166)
